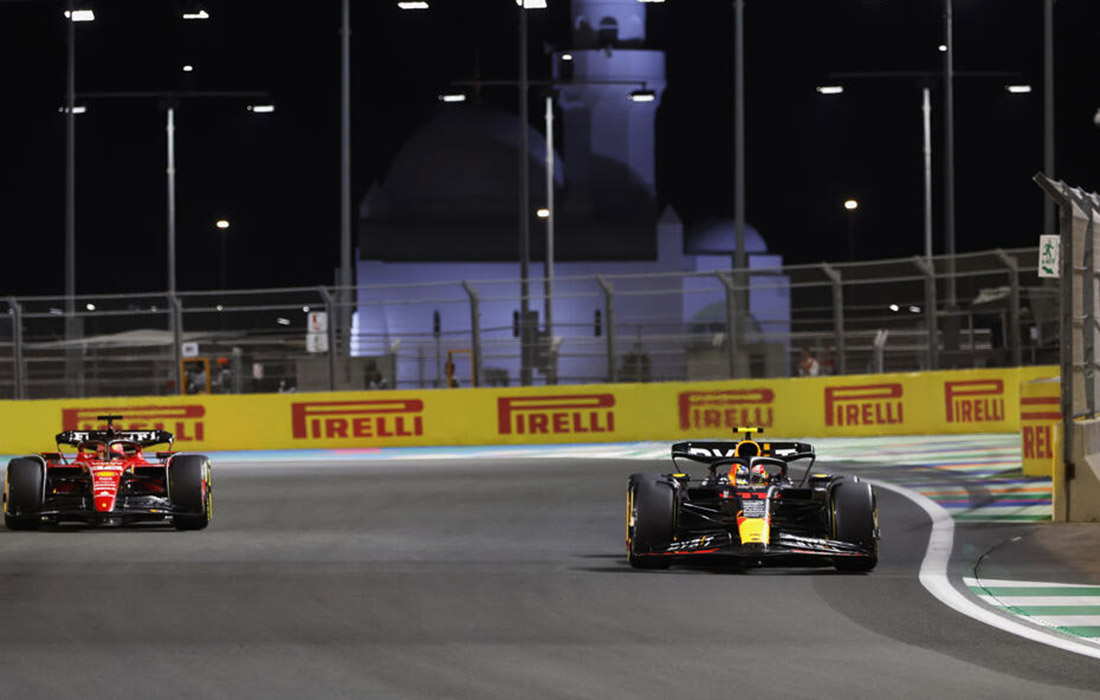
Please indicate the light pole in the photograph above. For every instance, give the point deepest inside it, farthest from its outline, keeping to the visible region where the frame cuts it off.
(949, 169)
(740, 259)
(1049, 223)
(343, 297)
(72, 323)
(524, 202)
(170, 130)
(549, 271)
(926, 150)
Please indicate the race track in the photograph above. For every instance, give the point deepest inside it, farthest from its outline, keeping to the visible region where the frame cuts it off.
(476, 579)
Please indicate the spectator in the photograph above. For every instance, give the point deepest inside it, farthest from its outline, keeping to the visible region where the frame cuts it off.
(808, 366)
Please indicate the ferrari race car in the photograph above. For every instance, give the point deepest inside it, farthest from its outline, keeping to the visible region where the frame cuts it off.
(109, 481)
(748, 510)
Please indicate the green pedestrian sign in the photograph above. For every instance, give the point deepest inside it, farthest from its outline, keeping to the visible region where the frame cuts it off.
(1050, 256)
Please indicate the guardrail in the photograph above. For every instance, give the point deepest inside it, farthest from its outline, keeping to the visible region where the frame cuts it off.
(881, 316)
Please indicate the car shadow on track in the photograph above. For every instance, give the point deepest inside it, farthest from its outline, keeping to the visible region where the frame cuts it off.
(72, 528)
(617, 564)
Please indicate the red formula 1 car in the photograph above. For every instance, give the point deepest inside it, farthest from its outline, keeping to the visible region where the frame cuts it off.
(109, 481)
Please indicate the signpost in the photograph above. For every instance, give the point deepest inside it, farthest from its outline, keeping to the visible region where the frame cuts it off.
(1050, 256)
(317, 332)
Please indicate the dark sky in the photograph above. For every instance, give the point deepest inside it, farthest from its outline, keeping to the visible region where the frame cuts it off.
(276, 177)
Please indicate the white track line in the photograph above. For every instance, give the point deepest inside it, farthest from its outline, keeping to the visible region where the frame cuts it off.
(933, 576)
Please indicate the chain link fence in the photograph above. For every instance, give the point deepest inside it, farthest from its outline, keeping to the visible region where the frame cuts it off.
(867, 317)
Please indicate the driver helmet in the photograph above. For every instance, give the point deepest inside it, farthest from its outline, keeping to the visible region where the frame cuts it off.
(118, 451)
(759, 474)
(739, 474)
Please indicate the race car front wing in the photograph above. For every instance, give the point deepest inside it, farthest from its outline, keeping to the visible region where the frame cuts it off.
(723, 544)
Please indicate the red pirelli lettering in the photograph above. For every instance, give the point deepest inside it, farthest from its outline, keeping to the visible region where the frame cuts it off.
(357, 419)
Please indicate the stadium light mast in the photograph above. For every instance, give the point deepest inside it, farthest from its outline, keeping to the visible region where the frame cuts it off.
(740, 259)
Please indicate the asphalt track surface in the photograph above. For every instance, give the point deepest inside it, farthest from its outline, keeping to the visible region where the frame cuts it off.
(476, 579)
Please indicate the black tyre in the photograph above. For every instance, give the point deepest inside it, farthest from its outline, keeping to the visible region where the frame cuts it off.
(854, 515)
(191, 491)
(650, 511)
(24, 490)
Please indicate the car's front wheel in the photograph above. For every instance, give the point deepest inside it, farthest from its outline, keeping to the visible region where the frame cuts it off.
(24, 490)
(650, 511)
(190, 490)
(854, 515)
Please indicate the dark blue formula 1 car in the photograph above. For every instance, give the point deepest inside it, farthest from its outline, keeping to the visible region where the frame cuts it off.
(748, 510)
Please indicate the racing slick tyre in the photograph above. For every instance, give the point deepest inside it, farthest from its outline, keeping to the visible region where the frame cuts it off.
(190, 491)
(649, 518)
(24, 492)
(854, 516)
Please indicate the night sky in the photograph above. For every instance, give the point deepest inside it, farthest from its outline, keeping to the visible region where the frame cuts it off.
(276, 176)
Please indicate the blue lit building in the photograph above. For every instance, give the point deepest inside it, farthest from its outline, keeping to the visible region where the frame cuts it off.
(448, 210)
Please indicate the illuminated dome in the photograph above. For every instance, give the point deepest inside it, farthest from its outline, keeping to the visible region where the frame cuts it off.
(461, 168)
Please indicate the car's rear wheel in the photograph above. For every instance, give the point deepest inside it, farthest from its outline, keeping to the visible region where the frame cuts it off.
(190, 491)
(854, 515)
(650, 511)
(24, 494)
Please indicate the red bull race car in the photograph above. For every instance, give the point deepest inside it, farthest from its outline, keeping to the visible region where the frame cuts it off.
(748, 510)
(109, 481)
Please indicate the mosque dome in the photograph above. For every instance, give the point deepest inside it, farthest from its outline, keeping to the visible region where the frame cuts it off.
(718, 236)
(461, 168)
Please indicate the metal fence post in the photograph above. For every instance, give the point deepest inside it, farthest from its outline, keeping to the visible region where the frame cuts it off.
(326, 296)
(930, 309)
(838, 315)
(1088, 294)
(475, 331)
(1013, 330)
(17, 347)
(731, 321)
(609, 323)
(177, 338)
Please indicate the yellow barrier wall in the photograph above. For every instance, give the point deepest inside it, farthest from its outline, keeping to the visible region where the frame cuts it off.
(1040, 421)
(974, 401)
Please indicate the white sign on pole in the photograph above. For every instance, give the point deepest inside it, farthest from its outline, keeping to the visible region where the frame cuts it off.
(318, 322)
(317, 342)
(1050, 256)
(189, 349)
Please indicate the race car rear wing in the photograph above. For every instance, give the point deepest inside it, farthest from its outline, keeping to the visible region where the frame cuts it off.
(144, 438)
(709, 451)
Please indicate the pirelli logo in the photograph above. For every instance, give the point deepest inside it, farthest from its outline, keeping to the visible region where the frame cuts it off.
(555, 415)
(975, 401)
(386, 418)
(185, 421)
(726, 409)
(870, 404)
